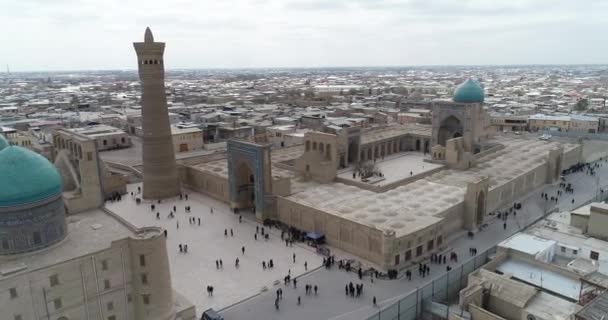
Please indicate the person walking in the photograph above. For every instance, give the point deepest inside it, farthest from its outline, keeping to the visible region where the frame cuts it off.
(243, 250)
(305, 266)
(316, 288)
(295, 283)
(294, 258)
(374, 301)
(299, 300)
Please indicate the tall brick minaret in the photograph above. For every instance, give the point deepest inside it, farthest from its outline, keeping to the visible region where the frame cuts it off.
(160, 170)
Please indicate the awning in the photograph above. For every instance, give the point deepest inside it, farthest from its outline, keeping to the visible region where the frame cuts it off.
(315, 235)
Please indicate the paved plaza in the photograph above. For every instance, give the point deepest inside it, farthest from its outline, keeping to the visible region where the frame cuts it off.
(397, 167)
(191, 273)
(332, 303)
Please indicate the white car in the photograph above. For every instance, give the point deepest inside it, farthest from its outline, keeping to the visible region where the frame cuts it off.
(545, 137)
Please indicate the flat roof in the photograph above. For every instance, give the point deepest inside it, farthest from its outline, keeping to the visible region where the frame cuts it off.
(404, 210)
(547, 306)
(88, 232)
(541, 277)
(596, 309)
(527, 243)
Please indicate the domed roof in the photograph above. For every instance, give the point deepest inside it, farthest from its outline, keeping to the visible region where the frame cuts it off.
(3, 143)
(468, 92)
(26, 177)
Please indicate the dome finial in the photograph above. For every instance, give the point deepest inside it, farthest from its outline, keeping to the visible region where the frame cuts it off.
(148, 37)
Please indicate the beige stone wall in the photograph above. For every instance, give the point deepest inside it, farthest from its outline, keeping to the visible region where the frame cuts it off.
(82, 285)
(205, 182)
(598, 223)
(503, 308)
(320, 158)
(192, 141)
(478, 313)
(341, 233)
(579, 221)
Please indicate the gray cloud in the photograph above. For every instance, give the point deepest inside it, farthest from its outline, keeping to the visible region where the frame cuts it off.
(91, 34)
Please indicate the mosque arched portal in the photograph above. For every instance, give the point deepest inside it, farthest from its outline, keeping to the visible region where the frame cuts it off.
(451, 127)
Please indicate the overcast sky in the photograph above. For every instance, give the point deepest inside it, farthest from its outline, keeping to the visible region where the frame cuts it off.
(97, 34)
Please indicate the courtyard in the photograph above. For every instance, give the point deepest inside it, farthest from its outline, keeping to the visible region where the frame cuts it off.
(192, 272)
(396, 167)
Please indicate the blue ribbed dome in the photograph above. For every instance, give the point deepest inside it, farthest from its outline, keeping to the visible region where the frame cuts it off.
(3, 143)
(26, 177)
(468, 92)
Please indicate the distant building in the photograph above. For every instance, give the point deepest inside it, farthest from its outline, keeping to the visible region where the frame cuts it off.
(186, 138)
(107, 137)
(548, 122)
(568, 123)
(87, 182)
(509, 123)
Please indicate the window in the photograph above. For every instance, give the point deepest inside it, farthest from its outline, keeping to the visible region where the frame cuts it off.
(146, 298)
(110, 306)
(594, 255)
(5, 244)
(439, 240)
(563, 249)
(104, 265)
(37, 239)
(112, 317)
(106, 284)
(129, 298)
(18, 317)
(408, 255)
(430, 245)
(419, 251)
(13, 292)
(54, 279)
(575, 252)
(397, 257)
(142, 260)
(105, 142)
(57, 303)
(144, 279)
(89, 156)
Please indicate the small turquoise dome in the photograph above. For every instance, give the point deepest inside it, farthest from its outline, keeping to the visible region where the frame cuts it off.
(468, 92)
(26, 177)
(3, 143)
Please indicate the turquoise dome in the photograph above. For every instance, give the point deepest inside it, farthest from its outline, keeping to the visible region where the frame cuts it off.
(26, 177)
(468, 92)
(3, 143)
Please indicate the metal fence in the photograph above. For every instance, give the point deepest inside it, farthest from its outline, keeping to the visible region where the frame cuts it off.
(434, 297)
(584, 135)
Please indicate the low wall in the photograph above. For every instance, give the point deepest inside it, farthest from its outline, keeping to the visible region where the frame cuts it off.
(206, 183)
(389, 186)
(203, 158)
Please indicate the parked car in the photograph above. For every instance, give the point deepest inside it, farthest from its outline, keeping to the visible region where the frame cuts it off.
(211, 314)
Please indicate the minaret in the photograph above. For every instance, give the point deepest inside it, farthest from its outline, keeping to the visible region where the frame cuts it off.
(160, 170)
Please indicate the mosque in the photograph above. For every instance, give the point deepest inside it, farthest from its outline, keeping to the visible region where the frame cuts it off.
(83, 263)
(437, 180)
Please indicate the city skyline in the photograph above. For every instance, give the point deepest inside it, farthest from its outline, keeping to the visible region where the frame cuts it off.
(239, 34)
